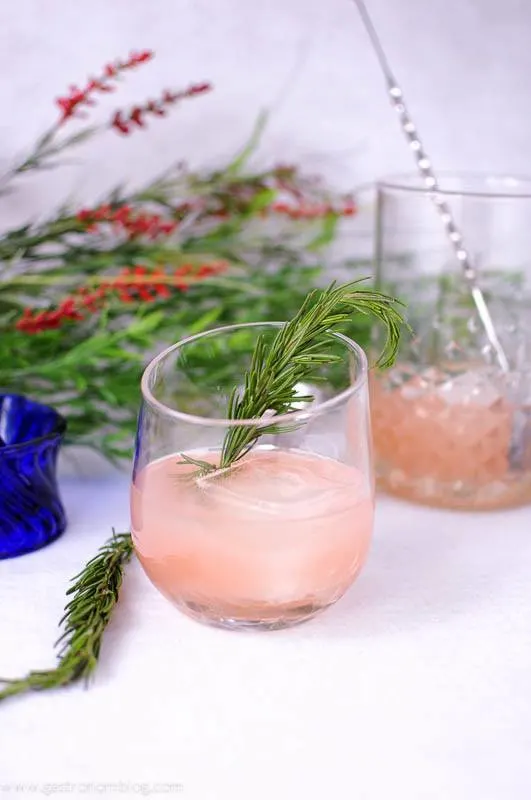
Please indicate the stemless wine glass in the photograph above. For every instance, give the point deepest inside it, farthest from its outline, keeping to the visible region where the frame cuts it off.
(282, 533)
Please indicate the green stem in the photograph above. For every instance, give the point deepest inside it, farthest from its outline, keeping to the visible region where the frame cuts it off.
(13, 246)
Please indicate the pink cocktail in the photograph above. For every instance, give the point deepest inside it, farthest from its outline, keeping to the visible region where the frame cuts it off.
(279, 535)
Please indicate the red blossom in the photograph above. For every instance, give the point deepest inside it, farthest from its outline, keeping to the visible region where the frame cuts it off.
(350, 208)
(70, 104)
(136, 284)
(134, 223)
(312, 211)
(125, 121)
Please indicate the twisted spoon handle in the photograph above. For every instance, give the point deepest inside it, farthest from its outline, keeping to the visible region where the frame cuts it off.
(429, 177)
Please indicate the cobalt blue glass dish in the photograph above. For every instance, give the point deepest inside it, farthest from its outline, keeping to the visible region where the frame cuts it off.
(31, 511)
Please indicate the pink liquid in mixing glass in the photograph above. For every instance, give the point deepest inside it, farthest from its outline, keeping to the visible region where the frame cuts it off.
(444, 451)
(269, 543)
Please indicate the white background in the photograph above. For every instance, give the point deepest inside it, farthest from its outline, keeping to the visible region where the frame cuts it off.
(465, 65)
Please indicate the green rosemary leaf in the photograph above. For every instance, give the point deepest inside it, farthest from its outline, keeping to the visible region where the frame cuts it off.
(94, 593)
(204, 467)
(297, 349)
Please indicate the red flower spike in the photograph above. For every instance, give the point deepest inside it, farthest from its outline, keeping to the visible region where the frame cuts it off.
(349, 209)
(97, 85)
(138, 283)
(76, 97)
(198, 88)
(153, 108)
(120, 121)
(102, 213)
(133, 224)
(162, 290)
(67, 306)
(144, 293)
(84, 215)
(88, 302)
(303, 211)
(119, 124)
(139, 58)
(119, 218)
(136, 116)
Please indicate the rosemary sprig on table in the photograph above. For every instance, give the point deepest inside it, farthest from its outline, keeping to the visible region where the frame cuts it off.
(95, 592)
(298, 349)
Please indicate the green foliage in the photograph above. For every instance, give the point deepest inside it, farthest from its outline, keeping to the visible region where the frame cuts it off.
(90, 370)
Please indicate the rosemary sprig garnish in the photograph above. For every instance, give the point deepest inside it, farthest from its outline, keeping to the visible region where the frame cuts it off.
(293, 356)
(94, 593)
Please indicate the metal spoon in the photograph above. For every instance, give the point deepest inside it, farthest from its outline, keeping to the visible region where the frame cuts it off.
(424, 164)
(426, 171)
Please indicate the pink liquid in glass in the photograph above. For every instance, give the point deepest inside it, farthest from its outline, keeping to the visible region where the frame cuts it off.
(438, 450)
(268, 543)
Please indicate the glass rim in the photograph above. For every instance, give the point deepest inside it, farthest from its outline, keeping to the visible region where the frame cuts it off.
(290, 416)
(503, 185)
(58, 431)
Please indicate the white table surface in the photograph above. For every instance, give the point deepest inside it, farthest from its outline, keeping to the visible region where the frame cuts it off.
(416, 686)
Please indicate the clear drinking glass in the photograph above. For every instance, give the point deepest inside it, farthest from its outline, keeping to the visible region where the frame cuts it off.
(280, 535)
(450, 429)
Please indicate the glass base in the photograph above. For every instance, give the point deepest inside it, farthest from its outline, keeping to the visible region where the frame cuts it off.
(264, 617)
(458, 495)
